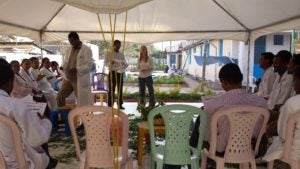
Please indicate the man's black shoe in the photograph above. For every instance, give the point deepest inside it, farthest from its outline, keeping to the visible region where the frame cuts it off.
(52, 163)
(121, 107)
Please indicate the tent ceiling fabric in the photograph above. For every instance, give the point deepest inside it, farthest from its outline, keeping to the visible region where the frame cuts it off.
(104, 6)
(153, 21)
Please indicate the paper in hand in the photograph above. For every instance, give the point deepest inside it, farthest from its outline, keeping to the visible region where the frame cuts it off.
(35, 107)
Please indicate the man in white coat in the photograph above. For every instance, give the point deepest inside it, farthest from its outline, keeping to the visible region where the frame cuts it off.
(290, 107)
(77, 65)
(34, 128)
(283, 84)
(266, 84)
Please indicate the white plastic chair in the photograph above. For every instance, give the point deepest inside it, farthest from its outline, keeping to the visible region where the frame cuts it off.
(287, 146)
(2, 161)
(17, 141)
(99, 152)
(242, 121)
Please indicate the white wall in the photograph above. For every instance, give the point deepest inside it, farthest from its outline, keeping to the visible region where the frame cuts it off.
(270, 47)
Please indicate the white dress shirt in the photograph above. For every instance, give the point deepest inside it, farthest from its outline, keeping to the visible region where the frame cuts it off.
(282, 89)
(266, 84)
(35, 132)
(120, 63)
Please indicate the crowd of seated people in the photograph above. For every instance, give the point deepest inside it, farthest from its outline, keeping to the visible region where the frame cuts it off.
(34, 127)
(32, 81)
(278, 92)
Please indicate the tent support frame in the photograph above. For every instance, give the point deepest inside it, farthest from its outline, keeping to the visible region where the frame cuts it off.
(18, 26)
(248, 59)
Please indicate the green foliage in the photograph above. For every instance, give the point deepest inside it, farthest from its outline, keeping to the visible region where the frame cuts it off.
(144, 110)
(130, 79)
(176, 79)
(160, 67)
(66, 143)
(133, 132)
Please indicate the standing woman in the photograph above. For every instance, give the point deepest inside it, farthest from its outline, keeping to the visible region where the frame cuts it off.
(145, 67)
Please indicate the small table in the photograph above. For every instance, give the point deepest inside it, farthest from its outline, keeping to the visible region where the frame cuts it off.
(142, 131)
(101, 94)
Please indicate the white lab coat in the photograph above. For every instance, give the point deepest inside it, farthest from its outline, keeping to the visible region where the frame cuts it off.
(29, 78)
(21, 88)
(275, 150)
(46, 88)
(48, 74)
(281, 91)
(266, 84)
(83, 65)
(35, 132)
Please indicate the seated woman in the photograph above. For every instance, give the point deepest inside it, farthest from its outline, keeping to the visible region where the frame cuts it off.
(45, 69)
(291, 106)
(42, 83)
(21, 87)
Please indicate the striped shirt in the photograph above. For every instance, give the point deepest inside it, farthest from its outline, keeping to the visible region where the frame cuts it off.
(231, 97)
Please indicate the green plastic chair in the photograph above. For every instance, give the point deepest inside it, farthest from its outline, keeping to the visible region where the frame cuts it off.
(176, 151)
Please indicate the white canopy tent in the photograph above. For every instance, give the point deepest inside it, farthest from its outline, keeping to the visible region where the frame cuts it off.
(153, 21)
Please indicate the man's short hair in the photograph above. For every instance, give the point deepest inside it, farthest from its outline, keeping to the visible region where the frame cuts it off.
(33, 59)
(24, 60)
(14, 62)
(117, 41)
(231, 73)
(73, 35)
(269, 56)
(284, 56)
(6, 73)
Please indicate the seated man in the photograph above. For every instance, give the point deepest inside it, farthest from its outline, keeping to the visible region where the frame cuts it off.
(35, 129)
(282, 87)
(231, 80)
(291, 106)
(268, 78)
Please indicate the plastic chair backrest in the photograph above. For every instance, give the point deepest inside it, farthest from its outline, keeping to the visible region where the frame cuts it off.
(178, 120)
(17, 140)
(100, 81)
(242, 121)
(289, 136)
(97, 125)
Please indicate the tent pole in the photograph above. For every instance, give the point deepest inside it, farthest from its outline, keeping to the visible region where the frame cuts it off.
(204, 65)
(41, 43)
(248, 60)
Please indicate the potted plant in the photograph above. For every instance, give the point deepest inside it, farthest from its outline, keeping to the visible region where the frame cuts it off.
(144, 110)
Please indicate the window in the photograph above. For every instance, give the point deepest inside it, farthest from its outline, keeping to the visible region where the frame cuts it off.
(278, 39)
(195, 50)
